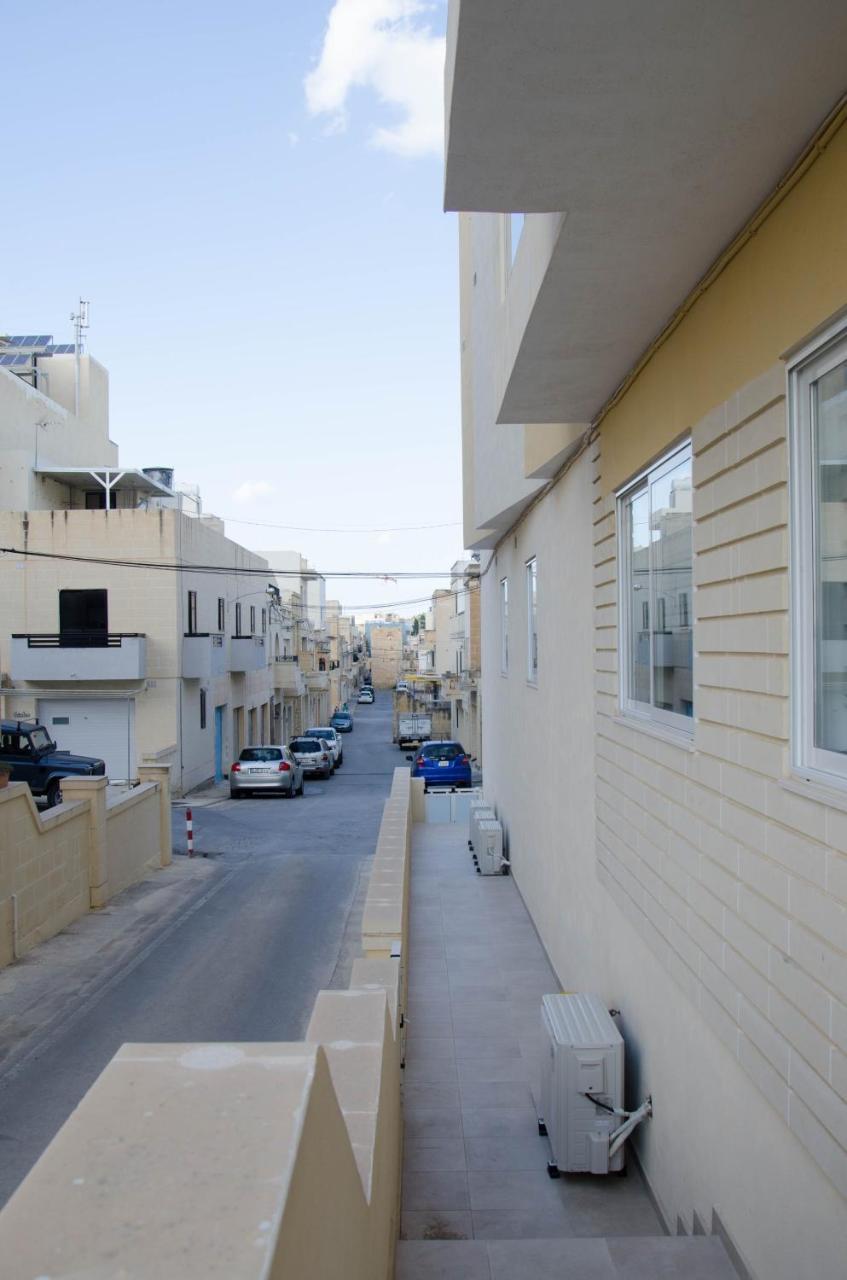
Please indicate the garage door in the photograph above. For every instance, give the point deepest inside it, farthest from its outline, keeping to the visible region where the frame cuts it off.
(102, 727)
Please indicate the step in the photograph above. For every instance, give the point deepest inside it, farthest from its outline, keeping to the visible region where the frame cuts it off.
(600, 1258)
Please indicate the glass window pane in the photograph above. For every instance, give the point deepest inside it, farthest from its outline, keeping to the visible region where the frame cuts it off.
(671, 545)
(829, 416)
(639, 601)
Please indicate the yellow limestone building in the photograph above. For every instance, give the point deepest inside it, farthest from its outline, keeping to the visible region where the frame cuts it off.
(653, 248)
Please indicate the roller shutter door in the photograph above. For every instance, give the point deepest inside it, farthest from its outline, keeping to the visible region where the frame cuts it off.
(101, 727)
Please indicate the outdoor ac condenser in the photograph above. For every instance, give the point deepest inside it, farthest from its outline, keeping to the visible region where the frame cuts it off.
(488, 847)
(582, 1054)
(479, 813)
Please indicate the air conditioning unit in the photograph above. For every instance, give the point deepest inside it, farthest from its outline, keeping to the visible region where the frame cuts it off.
(479, 813)
(488, 847)
(582, 1082)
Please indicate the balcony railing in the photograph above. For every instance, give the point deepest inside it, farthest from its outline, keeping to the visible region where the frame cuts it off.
(287, 675)
(203, 655)
(81, 655)
(246, 653)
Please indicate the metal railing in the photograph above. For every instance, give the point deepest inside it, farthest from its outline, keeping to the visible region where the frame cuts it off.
(79, 639)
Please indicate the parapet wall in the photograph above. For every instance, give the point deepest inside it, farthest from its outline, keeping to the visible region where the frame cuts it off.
(241, 1161)
(56, 866)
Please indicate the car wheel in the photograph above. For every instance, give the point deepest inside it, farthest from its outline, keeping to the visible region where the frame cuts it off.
(234, 795)
(54, 794)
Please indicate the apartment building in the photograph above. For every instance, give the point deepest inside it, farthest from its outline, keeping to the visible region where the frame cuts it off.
(132, 627)
(653, 259)
(301, 667)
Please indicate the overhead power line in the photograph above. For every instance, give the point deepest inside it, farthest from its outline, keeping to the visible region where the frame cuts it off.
(246, 570)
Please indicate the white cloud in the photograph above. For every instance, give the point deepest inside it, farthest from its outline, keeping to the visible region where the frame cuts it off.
(384, 538)
(293, 138)
(386, 46)
(252, 489)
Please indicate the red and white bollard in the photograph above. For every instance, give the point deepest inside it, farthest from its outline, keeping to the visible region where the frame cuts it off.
(189, 832)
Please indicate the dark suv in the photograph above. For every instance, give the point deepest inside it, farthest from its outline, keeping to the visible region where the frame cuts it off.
(29, 751)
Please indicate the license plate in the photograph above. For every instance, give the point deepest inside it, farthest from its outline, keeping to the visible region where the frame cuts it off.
(267, 771)
(444, 764)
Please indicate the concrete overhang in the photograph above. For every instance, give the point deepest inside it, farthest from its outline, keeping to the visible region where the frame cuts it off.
(113, 478)
(656, 128)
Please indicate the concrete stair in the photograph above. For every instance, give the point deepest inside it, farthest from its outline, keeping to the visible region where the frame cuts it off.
(583, 1258)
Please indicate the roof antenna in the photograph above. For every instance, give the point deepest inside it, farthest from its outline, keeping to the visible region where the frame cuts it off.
(80, 321)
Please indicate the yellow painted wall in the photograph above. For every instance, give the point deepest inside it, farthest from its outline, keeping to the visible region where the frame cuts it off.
(788, 279)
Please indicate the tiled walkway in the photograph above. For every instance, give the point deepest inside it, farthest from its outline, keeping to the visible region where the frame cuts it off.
(475, 1167)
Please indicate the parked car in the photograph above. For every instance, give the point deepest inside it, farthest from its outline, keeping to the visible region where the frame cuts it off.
(314, 754)
(402, 686)
(366, 696)
(442, 764)
(413, 730)
(33, 757)
(330, 735)
(341, 721)
(265, 769)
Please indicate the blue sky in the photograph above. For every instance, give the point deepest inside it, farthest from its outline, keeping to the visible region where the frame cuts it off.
(273, 284)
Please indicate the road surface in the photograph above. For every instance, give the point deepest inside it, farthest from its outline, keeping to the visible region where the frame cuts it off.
(272, 923)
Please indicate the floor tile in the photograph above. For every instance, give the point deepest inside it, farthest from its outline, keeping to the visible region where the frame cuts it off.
(494, 1122)
(435, 1224)
(422, 1097)
(440, 1154)
(443, 1189)
(425, 1257)
(671, 1258)
(511, 1094)
(507, 1153)
(492, 1069)
(550, 1260)
(421, 1125)
(431, 1071)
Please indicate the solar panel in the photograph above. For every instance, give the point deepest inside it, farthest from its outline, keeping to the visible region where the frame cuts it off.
(33, 340)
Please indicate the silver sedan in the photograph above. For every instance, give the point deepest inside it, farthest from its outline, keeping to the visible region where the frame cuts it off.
(265, 769)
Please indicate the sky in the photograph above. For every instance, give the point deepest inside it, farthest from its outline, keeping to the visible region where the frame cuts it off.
(250, 197)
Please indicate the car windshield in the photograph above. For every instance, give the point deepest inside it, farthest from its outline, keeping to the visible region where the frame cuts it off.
(261, 753)
(306, 745)
(321, 733)
(442, 751)
(40, 740)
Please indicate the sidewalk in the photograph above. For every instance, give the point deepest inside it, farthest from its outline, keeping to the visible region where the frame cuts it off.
(477, 1201)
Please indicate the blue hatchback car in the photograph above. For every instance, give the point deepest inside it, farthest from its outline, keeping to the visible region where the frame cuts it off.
(442, 764)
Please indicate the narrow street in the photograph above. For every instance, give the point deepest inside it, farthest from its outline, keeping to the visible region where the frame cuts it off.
(243, 961)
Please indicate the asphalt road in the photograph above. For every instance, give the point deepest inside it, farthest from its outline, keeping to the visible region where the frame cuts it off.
(271, 925)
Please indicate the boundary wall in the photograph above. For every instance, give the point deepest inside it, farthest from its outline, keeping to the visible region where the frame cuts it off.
(56, 866)
(241, 1160)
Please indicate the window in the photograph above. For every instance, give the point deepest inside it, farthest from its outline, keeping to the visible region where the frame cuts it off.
(264, 621)
(504, 625)
(238, 619)
(252, 619)
(202, 708)
(819, 563)
(192, 613)
(655, 558)
(221, 614)
(83, 617)
(95, 500)
(532, 620)
(516, 226)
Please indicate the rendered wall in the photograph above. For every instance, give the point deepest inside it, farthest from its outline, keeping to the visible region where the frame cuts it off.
(711, 905)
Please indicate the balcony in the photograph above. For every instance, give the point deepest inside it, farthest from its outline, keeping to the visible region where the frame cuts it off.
(98, 656)
(203, 655)
(288, 678)
(317, 681)
(246, 654)
(655, 171)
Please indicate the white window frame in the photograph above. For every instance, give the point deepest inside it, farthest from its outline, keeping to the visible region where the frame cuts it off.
(504, 626)
(673, 721)
(813, 361)
(531, 571)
